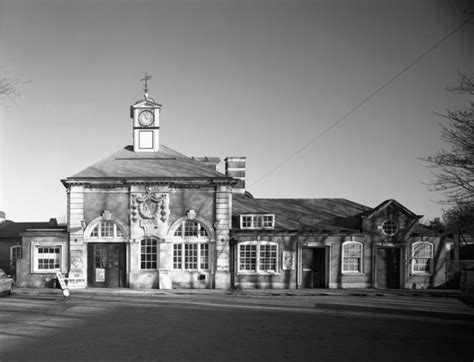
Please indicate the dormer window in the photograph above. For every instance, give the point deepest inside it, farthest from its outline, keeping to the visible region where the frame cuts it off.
(253, 221)
(389, 227)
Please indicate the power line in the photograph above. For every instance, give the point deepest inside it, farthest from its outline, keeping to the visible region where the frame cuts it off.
(353, 109)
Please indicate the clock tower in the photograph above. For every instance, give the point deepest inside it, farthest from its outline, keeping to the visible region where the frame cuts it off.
(146, 122)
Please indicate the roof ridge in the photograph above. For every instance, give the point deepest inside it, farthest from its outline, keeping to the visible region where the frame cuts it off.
(166, 162)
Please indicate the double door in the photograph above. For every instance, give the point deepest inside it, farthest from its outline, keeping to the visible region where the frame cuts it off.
(106, 265)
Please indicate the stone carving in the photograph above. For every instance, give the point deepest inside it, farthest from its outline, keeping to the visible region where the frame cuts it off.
(149, 205)
(150, 210)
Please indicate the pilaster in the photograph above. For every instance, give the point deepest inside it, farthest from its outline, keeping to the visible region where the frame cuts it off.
(222, 227)
(77, 248)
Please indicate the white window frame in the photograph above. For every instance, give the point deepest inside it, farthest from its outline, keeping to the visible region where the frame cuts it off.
(182, 256)
(34, 257)
(203, 238)
(258, 269)
(422, 272)
(393, 224)
(361, 264)
(116, 227)
(257, 221)
(202, 232)
(146, 253)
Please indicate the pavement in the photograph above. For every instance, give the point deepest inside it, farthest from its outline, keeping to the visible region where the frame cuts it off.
(439, 293)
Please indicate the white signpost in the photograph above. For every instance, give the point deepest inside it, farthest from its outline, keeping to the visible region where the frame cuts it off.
(62, 283)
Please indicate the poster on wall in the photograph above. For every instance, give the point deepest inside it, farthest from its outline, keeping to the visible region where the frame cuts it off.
(100, 275)
(288, 260)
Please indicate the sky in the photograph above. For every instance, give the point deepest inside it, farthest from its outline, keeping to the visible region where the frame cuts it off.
(258, 78)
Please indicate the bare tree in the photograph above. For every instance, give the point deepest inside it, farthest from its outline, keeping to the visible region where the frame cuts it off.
(8, 88)
(454, 167)
(460, 219)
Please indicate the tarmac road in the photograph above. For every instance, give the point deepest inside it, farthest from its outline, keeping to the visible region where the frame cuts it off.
(222, 327)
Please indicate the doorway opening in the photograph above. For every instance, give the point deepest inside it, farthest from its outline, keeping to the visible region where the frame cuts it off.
(106, 265)
(388, 268)
(314, 267)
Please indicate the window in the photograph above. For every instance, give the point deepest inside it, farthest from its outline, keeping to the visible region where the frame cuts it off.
(352, 257)
(266, 221)
(389, 227)
(204, 257)
(47, 258)
(190, 256)
(248, 257)
(191, 228)
(422, 257)
(15, 253)
(149, 254)
(191, 246)
(177, 256)
(106, 229)
(258, 257)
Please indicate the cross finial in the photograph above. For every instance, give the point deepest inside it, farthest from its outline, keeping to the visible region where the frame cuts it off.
(145, 79)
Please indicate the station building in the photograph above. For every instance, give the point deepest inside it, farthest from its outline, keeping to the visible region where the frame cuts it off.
(148, 216)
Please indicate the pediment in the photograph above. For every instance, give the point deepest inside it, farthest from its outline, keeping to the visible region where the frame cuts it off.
(390, 215)
(146, 103)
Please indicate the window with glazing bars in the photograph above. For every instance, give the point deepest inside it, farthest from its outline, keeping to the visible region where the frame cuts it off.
(149, 254)
(48, 258)
(268, 257)
(352, 257)
(257, 221)
(422, 255)
(247, 257)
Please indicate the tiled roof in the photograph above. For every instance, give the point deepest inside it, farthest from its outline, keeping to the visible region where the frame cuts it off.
(10, 229)
(166, 163)
(318, 215)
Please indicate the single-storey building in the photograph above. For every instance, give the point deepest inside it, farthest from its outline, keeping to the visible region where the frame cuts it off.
(148, 216)
(11, 240)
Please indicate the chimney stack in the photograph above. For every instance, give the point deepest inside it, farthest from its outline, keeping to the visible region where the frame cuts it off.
(211, 162)
(235, 168)
(2, 217)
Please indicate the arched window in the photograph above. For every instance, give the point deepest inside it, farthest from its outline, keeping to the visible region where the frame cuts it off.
(106, 229)
(191, 228)
(191, 246)
(352, 252)
(422, 252)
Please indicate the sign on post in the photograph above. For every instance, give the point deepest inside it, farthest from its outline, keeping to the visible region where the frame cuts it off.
(62, 283)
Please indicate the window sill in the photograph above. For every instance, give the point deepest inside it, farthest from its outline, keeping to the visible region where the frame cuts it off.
(257, 273)
(353, 273)
(422, 274)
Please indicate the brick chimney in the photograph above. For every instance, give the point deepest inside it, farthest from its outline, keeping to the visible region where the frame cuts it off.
(235, 167)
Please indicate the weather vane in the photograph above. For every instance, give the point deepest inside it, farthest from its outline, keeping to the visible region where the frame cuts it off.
(145, 79)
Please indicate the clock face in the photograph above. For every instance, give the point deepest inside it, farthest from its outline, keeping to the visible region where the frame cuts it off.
(145, 118)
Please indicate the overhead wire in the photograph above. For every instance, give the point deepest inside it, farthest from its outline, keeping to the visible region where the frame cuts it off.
(364, 101)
